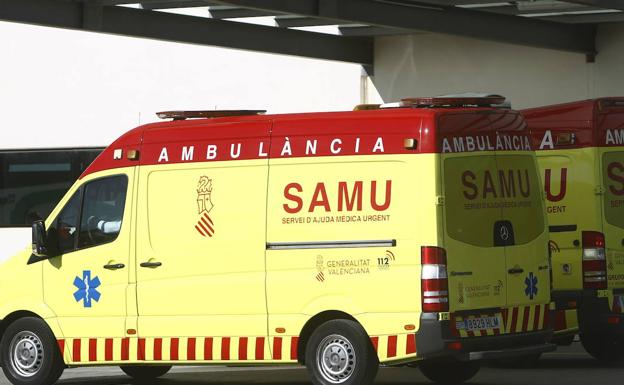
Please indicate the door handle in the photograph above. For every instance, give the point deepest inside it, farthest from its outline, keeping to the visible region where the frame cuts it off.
(460, 273)
(151, 264)
(114, 266)
(515, 270)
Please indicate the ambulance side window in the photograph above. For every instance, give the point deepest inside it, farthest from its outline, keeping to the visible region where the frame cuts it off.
(92, 216)
(66, 226)
(102, 211)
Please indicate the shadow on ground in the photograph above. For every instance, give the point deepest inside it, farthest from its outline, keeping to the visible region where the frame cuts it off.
(549, 371)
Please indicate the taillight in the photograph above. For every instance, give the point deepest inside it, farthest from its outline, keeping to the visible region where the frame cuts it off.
(594, 261)
(434, 280)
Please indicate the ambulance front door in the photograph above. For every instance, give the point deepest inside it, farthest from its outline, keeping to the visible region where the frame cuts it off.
(86, 284)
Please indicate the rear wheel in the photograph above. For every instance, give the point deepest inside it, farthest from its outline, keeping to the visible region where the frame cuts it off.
(145, 372)
(340, 352)
(604, 347)
(30, 353)
(449, 373)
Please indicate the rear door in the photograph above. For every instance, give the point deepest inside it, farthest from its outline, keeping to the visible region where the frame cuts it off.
(476, 269)
(522, 227)
(526, 249)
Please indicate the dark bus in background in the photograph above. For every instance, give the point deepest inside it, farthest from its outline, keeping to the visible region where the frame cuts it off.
(31, 183)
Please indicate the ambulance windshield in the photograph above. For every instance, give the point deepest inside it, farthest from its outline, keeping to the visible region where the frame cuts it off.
(613, 180)
(482, 191)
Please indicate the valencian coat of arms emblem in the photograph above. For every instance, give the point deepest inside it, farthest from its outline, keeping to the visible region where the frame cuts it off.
(205, 226)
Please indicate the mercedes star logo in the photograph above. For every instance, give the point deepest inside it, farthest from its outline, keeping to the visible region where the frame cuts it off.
(504, 233)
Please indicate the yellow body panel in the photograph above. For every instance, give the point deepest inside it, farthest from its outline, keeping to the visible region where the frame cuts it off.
(572, 200)
(358, 281)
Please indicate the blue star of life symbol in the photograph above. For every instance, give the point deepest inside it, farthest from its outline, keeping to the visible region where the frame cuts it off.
(531, 285)
(87, 288)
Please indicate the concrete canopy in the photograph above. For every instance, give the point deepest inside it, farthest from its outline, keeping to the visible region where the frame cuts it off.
(564, 26)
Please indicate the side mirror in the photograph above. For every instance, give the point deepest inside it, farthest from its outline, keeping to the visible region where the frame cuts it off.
(39, 247)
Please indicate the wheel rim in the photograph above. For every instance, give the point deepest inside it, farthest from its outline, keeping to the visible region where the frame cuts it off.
(335, 359)
(26, 354)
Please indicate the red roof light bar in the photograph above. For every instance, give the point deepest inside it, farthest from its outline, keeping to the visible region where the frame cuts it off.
(487, 101)
(182, 115)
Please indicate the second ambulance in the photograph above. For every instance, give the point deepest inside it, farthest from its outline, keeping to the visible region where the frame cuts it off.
(580, 148)
(410, 235)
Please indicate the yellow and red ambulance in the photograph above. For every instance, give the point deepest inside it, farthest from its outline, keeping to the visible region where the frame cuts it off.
(344, 240)
(580, 152)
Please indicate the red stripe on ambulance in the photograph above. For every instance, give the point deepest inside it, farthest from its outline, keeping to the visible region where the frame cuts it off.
(190, 349)
(76, 350)
(225, 348)
(108, 349)
(242, 348)
(260, 348)
(525, 318)
(294, 342)
(537, 319)
(277, 348)
(157, 349)
(410, 346)
(141, 349)
(392, 346)
(208, 349)
(92, 349)
(125, 349)
(174, 349)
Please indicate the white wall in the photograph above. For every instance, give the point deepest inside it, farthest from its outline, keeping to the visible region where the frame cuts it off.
(609, 72)
(434, 64)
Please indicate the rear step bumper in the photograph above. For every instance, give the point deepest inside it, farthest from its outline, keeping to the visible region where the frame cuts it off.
(508, 353)
(434, 340)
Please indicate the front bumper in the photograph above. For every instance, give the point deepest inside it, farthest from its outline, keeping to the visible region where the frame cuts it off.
(434, 340)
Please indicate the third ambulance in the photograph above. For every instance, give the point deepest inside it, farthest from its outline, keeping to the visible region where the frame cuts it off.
(411, 235)
(580, 149)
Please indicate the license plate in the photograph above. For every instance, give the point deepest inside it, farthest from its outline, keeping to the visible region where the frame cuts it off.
(480, 323)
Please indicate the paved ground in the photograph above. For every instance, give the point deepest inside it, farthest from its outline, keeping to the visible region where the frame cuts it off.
(567, 366)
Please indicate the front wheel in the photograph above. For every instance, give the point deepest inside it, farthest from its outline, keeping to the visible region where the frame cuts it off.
(340, 352)
(603, 347)
(145, 372)
(449, 373)
(30, 353)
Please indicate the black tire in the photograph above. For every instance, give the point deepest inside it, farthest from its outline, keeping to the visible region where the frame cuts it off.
(346, 342)
(449, 373)
(145, 372)
(604, 347)
(41, 362)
